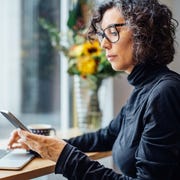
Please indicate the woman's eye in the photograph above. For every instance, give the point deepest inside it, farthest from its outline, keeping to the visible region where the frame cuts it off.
(114, 33)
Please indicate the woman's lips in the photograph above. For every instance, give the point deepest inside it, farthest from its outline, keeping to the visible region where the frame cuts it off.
(111, 57)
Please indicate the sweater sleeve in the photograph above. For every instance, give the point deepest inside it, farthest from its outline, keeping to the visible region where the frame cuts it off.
(101, 140)
(75, 165)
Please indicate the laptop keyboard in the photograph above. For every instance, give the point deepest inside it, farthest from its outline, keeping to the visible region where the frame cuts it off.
(3, 152)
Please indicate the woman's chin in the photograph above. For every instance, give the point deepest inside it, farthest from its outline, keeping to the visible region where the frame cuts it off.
(116, 68)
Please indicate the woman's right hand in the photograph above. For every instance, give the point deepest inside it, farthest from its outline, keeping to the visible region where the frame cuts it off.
(47, 147)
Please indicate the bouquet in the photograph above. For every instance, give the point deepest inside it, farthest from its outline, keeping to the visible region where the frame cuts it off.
(85, 59)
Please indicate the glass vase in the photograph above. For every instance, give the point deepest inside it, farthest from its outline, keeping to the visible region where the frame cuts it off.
(87, 106)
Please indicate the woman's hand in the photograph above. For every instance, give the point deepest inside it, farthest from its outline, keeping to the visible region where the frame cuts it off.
(47, 147)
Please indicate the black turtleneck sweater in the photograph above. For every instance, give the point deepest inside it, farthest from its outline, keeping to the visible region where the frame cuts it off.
(144, 137)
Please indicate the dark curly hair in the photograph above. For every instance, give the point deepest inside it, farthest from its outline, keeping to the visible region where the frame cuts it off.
(152, 25)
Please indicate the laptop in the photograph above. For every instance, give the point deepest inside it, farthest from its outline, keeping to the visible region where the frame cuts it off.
(14, 159)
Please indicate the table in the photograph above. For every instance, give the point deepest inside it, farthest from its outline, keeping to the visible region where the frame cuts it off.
(40, 167)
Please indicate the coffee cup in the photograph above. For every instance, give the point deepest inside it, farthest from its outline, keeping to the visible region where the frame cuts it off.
(42, 129)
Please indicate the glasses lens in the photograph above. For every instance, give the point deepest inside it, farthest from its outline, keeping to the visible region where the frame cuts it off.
(112, 34)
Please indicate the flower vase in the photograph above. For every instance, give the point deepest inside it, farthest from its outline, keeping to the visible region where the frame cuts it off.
(89, 114)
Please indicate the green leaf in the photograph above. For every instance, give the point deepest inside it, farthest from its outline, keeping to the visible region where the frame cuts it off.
(74, 15)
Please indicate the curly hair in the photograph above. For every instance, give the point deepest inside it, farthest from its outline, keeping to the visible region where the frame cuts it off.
(152, 25)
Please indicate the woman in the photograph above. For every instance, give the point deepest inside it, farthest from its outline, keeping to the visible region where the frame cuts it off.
(138, 37)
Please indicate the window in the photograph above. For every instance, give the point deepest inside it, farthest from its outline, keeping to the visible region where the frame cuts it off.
(30, 68)
(35, 85)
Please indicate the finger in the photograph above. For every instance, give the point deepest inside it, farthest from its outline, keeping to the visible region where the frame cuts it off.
(19, 146)
(28, 136)
(31, 140)
(13, 138)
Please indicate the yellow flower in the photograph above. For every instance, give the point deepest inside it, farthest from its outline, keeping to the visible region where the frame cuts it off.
(92, 48)
(86, 65)
(85, 49)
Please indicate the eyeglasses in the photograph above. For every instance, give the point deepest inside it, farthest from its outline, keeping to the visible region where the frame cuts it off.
(111, 33)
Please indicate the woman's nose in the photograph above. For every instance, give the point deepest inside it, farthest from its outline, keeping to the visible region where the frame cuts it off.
(105, 44)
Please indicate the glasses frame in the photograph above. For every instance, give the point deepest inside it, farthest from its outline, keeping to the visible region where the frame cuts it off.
(103, 35)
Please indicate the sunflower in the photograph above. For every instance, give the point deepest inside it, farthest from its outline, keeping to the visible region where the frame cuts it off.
(91, 48)
(86, 65)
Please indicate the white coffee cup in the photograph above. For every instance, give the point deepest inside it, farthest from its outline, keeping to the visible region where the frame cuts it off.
(42, 129)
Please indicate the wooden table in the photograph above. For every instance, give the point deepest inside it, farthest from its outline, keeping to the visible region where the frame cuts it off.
(40, 167)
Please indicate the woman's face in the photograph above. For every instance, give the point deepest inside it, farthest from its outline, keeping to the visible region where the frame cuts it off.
(120, 53)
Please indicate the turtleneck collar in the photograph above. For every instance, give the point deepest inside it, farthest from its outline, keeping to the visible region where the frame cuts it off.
(142, 74)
